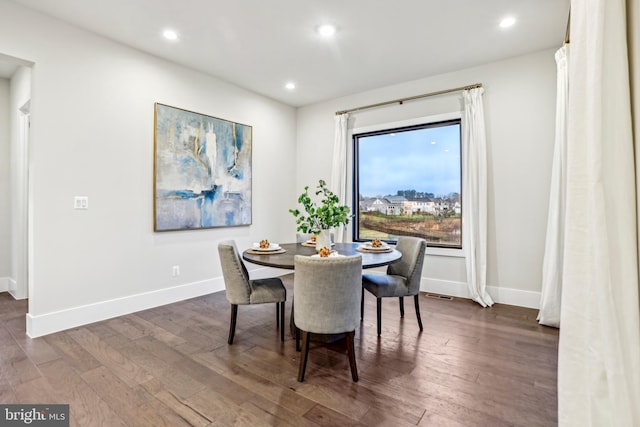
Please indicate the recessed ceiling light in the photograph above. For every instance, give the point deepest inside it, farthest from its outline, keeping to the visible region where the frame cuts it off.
(326, 30)
(170, 35)
(507, 22)
(290, 86)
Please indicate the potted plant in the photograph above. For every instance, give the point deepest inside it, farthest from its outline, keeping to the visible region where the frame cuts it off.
(319, 219)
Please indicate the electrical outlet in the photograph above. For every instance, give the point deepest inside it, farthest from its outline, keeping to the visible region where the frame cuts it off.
(81, 202)
(176, 270)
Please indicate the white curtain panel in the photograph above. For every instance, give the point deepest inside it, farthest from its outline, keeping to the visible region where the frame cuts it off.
(599, 346)
(633, 37)
(474, 196)
(339, 168)
(550, 299)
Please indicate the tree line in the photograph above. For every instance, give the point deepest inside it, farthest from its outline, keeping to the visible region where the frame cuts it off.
(414, 195)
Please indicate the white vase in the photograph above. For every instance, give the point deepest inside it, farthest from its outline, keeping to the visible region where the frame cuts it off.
(323, 240)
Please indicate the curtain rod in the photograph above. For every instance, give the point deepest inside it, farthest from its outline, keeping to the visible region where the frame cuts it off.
(411, 98)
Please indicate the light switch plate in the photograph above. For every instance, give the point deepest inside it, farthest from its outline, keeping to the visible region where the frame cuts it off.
(81, 202)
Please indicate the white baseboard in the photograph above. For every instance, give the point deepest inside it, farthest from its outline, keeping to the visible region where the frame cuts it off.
(15, 291)
(77, 316)
(7, 284)
(517, 297)
(65, 319)
(499, 294)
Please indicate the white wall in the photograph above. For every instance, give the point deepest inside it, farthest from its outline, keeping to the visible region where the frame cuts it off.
(92, 135)
(519, 106)
(5, 245)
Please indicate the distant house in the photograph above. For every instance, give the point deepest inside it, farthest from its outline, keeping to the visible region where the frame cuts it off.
(399, 205)
(422, 206)
(441, 205)
(395, 205)
(388, 205)
(373, 204)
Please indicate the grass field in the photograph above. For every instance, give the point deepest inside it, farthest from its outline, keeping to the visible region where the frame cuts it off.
(374, 225)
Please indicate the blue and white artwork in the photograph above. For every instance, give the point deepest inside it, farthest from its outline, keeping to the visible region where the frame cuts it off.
(202, 171)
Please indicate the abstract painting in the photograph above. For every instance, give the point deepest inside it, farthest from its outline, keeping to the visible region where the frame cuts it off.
(202, 171)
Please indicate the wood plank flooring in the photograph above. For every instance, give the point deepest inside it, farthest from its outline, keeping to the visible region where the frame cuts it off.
(171, 366)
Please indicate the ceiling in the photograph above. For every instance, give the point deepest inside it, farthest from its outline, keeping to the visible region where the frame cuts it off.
(260, 45)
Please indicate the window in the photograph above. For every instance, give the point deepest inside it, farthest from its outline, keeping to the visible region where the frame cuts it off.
(407, 182)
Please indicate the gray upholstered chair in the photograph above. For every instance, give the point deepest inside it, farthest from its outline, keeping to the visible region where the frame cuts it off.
(303, 237)
(402, 278)
(241, 290)
(327, 292)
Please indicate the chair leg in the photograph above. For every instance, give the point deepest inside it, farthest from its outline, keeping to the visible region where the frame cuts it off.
(379, 314)
(303, 356)
(401, 306)
(297, 332)
(232, 327)
(282, 321)
(417, 304)
(277, 315)
(362, 306)
(351, 353)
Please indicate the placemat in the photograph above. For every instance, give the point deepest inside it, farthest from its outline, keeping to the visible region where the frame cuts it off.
(373, 251)
(277, 251)
(312, 244)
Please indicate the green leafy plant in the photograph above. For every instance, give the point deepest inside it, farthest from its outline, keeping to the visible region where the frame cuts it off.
(330, 213)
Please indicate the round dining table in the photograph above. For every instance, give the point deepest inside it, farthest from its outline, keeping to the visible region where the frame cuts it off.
(279, 259)
(284, 258)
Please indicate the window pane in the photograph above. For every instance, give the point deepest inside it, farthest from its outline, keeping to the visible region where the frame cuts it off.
(408, 182)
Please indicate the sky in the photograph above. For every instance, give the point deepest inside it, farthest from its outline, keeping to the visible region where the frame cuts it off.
(425, 160)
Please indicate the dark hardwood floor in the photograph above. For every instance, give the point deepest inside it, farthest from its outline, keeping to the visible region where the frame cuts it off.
(172, 366)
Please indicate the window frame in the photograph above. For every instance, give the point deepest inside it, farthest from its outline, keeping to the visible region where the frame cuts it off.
(407, 125)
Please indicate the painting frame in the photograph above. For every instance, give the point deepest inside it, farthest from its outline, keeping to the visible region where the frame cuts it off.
(202, 175)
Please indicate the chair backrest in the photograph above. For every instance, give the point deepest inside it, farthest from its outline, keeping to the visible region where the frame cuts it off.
(236, 276)
(410, 265)
(327, 293)
(303, 237)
